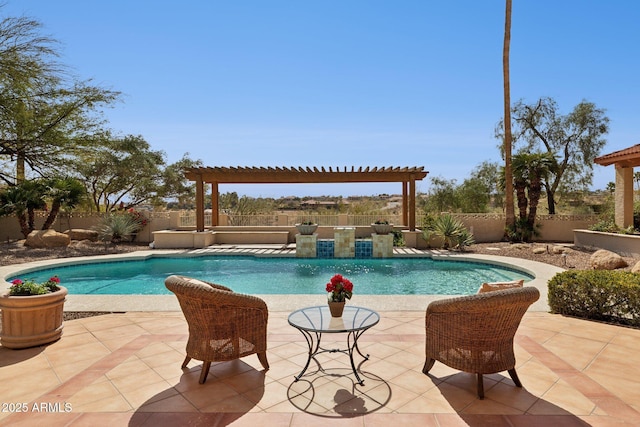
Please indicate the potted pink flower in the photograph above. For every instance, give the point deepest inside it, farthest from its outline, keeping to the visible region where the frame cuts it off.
(340, 289)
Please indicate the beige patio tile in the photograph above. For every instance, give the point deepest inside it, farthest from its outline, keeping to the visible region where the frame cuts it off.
(577, 351)
(209, 393)
(424, 405)
(115, 403)
(136, 380)
(94, 393)
(568, 376)
(149, 393)
(91, 352)
(176, 403)
(488, 406)
(268, 395)
(564, 396)
(413, 380)
(233, 404)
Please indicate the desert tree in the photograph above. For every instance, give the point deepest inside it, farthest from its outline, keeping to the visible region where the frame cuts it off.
(47, 115)
(121, 170)
(573, 141)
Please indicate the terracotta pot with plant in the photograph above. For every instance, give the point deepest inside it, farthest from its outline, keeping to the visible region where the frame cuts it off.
(32, 313)
(340, 290)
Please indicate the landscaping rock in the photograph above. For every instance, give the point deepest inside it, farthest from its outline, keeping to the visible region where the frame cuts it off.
(47, 239)
(82, 234)
(606, 260)
(539, 250)
(636, 267)
(559, 250)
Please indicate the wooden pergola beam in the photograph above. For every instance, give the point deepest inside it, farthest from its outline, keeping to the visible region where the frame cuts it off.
(304, 175)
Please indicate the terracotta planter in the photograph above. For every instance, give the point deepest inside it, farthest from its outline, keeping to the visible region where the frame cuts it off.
(29, 321)
(336, 308)
(306, 229)
(382, 228)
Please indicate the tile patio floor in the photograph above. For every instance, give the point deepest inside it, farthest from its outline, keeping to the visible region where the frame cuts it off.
(124, 370)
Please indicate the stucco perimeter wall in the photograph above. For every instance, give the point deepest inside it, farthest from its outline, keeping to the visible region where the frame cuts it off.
(552, 228)
(10, 229)
(485, 227)
(622, 244)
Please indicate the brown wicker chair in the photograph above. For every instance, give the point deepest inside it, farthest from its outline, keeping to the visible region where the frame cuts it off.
(475, 333)
(223, 325)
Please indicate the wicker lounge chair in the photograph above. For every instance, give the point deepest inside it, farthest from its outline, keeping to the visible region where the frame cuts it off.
(223, 325)
(475, 333)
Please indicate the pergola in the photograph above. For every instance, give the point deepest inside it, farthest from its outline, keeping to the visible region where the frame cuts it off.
(624, 161)
(303, 175)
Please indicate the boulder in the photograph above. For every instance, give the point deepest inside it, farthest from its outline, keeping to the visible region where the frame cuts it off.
(556, 249)
(636, 268)
(539, 250)
(82, 234)
(606, 260)
(47, 239)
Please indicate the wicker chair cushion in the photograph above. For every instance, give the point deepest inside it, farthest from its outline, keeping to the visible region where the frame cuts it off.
(496, 286)
(194, 281)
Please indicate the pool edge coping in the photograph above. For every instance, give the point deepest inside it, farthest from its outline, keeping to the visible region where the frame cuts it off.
(541, 272)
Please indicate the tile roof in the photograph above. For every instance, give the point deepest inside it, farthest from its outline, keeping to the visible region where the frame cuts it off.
(629, 157)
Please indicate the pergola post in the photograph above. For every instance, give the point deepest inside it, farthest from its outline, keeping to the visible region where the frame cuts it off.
(624, 197)
(215, 219)
(412, 204)
(199, 203)
(405, 203)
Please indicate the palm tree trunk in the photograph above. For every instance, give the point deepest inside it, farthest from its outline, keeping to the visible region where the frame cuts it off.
(509, 208)
(31, 220)
(534, 197)
(522, 198)
(53, 213)
(24, 228)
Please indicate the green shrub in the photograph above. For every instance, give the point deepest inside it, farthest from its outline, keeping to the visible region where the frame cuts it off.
(597, 294)
(607, 225)
(398, 238)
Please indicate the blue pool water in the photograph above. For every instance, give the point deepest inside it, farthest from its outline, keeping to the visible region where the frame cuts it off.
(251, 275)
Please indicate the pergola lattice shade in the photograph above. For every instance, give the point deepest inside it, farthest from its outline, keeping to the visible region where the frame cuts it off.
(407, 176)
(292, 175)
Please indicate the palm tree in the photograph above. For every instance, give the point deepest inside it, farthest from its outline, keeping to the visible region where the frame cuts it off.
(22, 201)
(509, 209)
(63, 192)
(529, 172)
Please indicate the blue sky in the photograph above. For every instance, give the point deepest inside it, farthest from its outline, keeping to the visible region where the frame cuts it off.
(345, 82)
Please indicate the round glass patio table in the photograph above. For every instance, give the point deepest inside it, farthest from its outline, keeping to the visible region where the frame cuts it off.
(312, 322)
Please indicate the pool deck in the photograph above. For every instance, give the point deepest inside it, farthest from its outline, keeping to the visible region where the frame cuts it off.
(123, 369)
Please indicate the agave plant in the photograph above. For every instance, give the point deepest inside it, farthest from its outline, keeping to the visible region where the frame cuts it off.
(116, 227)
(465, 238)
(452, 232)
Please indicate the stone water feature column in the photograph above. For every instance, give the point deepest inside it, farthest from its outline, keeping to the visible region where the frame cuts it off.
(345, 242)
(382, 245)
(306, 245)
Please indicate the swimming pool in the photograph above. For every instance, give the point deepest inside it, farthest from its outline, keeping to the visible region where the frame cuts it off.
(254, 275)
